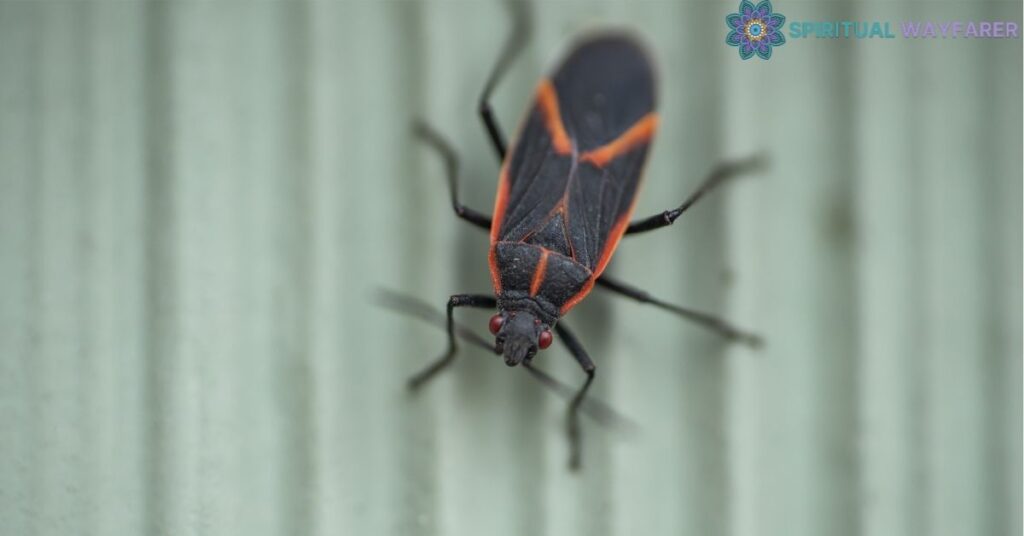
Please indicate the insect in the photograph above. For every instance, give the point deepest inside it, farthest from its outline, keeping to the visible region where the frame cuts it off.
(565, 198)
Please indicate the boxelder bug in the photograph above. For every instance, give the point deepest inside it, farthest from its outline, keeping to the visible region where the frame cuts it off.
(566, 193)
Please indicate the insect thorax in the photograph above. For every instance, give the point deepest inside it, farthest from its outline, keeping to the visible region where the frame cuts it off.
(518, 300)
(529, 273)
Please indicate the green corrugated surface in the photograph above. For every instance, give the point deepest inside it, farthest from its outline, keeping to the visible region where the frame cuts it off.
(197, 201)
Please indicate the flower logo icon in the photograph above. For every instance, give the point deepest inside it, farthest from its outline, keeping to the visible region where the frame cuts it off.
(755, 29)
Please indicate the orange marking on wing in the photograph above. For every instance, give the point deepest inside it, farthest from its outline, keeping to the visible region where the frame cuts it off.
(547, 98)
(492, 261)
(613, 242)
(587, 287)
(500, 201)
(641, 132)
(614, 236)
(538, 274)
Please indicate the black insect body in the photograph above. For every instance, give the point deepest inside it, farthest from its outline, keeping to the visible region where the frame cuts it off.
(566, 193)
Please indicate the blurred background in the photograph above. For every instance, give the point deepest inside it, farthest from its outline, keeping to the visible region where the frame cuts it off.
(199, 199)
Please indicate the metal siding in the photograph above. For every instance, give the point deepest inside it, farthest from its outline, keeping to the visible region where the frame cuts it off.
(198, 200)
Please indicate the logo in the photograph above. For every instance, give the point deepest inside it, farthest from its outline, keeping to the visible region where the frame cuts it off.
(755, 29)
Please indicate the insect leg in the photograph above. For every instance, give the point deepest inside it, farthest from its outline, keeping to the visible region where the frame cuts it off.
(573, 422)
(459, 300)
(516, 39)
(720, 173)
(451, 163)
(713, 323)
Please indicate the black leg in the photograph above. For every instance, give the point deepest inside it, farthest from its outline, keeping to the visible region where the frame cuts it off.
(573, 423)
(718, 174)
(715, 324)
(516, 39)
(458, 300)
(451, 162)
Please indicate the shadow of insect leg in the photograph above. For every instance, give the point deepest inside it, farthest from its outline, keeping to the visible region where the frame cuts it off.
(573, 422)
(459, 300)
(705, 320)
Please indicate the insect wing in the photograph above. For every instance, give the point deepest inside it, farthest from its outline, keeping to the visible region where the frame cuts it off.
(570, 181)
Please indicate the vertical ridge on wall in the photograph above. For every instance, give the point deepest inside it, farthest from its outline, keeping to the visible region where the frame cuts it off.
(298, 476)
(1005, 286)
(20, 43)
(1002, 282)
(56, 423)
(117, 224)
(330, 506)
(413, 195)
(951, 138)
(796, 404)
(158, 266)
(890, 399)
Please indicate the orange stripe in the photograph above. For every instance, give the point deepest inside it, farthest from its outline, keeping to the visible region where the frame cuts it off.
(548, 101)
(500, 200)
(614, 236)
(492, 261)
(641, 132)
(538, 275)
(613, 242)
(587, 287)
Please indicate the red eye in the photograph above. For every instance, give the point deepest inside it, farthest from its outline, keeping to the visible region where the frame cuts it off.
(495, 324)
(545, 339)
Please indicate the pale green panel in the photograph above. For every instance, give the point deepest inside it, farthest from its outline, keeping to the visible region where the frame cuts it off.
(902, 435)
(18, 233)
(888, 269)
(794, 410)
(199, 201)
